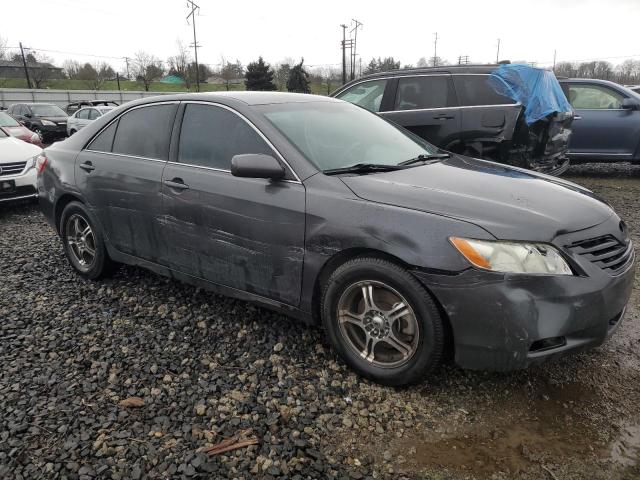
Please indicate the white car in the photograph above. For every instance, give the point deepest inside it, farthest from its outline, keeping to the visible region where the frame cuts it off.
(84, 117)
(18, 161)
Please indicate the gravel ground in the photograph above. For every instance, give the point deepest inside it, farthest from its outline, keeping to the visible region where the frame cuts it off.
(136, 376)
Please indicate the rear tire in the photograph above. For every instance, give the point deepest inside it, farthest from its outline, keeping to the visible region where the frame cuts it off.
(83, 242)
(382, 322)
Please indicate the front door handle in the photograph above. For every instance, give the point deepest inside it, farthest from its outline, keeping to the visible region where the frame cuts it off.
(87, 167)
(443, 116)
(176, 183)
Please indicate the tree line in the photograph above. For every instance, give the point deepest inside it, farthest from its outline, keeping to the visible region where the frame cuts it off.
(625, 73)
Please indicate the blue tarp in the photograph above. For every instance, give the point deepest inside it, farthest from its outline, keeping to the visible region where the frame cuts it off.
(536, 89)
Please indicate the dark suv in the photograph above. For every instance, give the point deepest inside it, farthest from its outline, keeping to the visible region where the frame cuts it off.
(47, 120)
(457, 109)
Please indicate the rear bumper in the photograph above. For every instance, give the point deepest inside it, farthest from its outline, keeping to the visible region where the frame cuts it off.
(506, 322)
(26, 187)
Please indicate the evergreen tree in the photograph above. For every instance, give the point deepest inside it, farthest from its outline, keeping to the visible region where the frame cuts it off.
(298, 79)
(259, 76)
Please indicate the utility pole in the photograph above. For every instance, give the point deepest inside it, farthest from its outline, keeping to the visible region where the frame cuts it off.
(435, 49)
(118, 80)
(195, 45)
(26, 70)
(344, 53)
(355, 44)
(554, 61)
(498, 52)
(126, 60)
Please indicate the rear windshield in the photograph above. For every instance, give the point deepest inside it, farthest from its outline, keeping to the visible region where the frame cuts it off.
(7, 120)
(47, 111)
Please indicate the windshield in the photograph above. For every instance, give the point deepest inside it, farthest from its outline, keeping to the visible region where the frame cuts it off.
(47, 111)
(338, 134)
(7, 120)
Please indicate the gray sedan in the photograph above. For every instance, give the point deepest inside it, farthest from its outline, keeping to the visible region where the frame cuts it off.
(324, 211)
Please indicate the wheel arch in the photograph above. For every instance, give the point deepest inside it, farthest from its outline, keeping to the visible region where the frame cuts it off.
(60, 205)
(351, 253)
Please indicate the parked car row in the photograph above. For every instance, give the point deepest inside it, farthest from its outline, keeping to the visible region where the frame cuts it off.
(459, 109)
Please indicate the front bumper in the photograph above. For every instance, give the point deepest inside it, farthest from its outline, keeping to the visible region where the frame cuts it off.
(54, 131)
(508, 321)
(26, 186)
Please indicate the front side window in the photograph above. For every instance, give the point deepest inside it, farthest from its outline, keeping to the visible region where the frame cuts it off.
(415, 93)
(475, 90)
(211, 136)
(594, 97)
(366, 94)
(145, 132)
(338, 134)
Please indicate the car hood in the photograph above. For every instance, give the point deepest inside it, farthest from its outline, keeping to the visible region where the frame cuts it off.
(19, 131)
(510, 203)
(54, 119)
(14, 150)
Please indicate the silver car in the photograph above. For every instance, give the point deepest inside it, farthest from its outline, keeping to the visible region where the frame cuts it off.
(84, 116)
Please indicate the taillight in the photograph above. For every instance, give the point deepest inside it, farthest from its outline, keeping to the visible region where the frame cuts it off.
(41, 163)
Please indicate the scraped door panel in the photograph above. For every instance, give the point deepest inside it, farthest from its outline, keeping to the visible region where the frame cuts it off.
(239, 232)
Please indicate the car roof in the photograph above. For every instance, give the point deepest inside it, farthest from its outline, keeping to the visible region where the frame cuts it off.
(248, 98)
(484, 68)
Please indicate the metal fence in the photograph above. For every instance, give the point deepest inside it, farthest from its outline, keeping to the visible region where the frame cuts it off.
(62, 98)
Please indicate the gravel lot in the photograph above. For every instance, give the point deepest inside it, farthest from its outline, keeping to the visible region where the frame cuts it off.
(208, 368)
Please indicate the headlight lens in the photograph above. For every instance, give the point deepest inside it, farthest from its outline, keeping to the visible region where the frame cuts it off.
(48, 122)
(512, 257)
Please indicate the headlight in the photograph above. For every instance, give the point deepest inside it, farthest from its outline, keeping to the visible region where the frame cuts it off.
(512, 257)
(48, 122)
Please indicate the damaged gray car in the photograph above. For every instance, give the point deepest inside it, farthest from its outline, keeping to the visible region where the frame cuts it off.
(512, 114)
(319, 209)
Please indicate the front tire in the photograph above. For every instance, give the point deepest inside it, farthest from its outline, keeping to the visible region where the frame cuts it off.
(83, 242)
(382, 322)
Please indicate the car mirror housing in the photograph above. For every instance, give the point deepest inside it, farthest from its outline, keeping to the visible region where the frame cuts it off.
(256, 165)
(629, 104)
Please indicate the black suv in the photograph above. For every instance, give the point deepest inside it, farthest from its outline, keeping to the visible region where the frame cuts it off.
(47, 120)
(457, 109)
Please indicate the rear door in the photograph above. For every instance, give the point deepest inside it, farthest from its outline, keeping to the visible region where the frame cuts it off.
(485, 115)
(427, 105)
(243, 233)
(601, 128)
(120, 173)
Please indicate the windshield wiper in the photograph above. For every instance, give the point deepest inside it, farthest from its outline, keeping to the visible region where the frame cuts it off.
(363, 168)
(425, 158)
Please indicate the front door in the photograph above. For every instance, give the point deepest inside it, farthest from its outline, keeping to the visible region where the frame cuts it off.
(601, 129)
(243, 233)
(120, 173)
(427, 106)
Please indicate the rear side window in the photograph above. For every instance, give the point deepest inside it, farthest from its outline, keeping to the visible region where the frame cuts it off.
(211, 136)
(93, 114)
(145, 132)
(104, 141)
(366, 94)
(475, 90)
(425, 92)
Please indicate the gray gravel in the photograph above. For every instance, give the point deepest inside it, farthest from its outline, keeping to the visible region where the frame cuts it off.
(208, 368)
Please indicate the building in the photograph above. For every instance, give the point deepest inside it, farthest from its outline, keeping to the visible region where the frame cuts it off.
(11, 69)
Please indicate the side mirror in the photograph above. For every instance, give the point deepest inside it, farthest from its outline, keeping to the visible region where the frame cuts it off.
(629, 104)
(256, 165)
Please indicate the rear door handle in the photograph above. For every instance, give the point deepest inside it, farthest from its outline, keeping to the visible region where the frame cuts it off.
(87, 167)
(176, 183)
(443, 116)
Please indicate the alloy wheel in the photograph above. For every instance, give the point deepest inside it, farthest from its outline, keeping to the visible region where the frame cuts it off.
(378, 324)
(81, 240)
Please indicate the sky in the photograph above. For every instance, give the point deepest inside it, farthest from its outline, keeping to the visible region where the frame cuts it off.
(530, 30)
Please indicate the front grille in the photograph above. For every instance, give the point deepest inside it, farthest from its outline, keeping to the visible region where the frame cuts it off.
(607, 252)
(11, 168)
